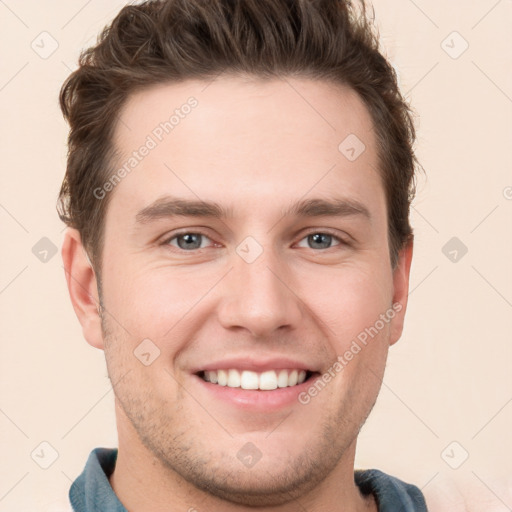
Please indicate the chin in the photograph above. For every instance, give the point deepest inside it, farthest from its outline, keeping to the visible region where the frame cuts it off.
(257, 487)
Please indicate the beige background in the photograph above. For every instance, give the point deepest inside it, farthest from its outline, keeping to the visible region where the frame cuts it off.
(448, 379)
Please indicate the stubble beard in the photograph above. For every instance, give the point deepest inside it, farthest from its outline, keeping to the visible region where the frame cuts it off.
(171, 440)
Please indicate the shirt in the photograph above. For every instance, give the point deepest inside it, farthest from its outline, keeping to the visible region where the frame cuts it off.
(91, 491)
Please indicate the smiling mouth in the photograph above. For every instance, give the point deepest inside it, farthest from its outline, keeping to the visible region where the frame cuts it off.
(262, 381)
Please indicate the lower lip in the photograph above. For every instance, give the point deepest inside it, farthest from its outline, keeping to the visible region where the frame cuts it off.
(257, 400)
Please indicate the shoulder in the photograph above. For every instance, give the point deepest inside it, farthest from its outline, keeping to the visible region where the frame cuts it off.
(468, 492)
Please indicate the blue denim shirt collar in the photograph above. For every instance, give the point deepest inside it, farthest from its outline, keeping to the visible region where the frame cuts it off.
(92, 492)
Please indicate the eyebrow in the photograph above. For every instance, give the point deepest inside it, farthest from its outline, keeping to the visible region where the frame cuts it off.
(169, 206)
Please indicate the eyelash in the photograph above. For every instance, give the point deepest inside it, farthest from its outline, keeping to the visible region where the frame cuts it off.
(167, 241)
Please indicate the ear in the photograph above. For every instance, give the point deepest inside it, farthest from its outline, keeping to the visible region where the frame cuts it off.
(401, 291)
(82, 286)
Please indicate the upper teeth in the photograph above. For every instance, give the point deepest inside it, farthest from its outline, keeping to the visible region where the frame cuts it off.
(245, 379)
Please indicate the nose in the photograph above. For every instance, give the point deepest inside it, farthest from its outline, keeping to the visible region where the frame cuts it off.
(259, 296)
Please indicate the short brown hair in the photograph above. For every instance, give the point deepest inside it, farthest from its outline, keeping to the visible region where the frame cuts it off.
(163, 41)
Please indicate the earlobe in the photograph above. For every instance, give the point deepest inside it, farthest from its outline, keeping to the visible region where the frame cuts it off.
(401, 290)
(82, 287)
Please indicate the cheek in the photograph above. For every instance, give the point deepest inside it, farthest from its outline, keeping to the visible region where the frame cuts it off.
(149, 301)
(347, 300)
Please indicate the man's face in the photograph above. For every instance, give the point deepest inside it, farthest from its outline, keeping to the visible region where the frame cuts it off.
(260, 289)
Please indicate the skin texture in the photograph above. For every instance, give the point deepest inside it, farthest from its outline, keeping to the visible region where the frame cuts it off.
(255, 148)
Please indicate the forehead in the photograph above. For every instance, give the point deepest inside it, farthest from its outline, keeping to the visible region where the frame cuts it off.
(246, 141)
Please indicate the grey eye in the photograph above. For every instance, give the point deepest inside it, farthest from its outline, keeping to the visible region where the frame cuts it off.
(188, 241)
(320, 240)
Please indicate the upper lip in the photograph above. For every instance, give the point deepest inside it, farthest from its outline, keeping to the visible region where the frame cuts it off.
(255, 365)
